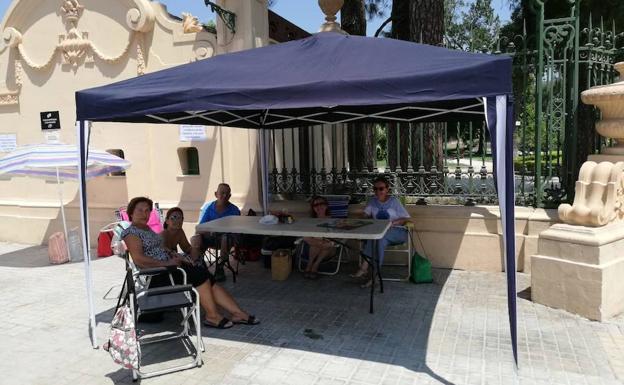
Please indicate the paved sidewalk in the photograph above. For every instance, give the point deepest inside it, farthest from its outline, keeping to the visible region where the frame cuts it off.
(313, 332)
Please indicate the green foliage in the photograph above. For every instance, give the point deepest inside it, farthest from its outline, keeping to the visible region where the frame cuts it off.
(472, 26)
(548, 159)
(210, 26)
(381, 140)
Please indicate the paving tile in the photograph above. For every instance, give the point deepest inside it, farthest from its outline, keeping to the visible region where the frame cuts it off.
(454, 331)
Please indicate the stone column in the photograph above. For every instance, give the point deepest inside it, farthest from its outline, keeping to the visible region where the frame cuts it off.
(579, 266)
(252, 25)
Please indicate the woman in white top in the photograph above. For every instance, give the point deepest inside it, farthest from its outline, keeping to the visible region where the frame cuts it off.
(384, 206)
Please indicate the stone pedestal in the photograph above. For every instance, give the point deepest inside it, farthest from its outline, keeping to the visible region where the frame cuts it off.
(580, 269)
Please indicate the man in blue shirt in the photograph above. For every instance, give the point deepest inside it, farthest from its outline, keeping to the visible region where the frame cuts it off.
(222, 207)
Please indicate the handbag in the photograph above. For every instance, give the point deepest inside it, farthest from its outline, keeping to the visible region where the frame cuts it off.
(104, 244)
(421, 267)
(122, 343)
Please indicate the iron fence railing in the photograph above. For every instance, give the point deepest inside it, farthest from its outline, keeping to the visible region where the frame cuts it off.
(550, 68)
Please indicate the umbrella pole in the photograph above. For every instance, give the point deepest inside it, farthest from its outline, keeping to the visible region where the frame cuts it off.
(60, 190)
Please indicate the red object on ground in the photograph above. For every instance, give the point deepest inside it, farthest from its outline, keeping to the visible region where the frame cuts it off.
(247, 253)
(104, 244)
(57, 249)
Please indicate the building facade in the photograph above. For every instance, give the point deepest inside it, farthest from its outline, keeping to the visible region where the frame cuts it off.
(53, 48)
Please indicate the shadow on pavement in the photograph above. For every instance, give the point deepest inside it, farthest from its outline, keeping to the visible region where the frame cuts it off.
(329, 316)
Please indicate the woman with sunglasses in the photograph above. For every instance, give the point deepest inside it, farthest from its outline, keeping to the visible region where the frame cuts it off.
(319, 248)
(384, 206)
(149, 249)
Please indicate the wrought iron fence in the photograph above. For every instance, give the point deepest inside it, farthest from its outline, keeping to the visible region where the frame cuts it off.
(550, 68)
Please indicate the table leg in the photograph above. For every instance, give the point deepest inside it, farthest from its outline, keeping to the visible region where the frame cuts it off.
(373, 266)
(228, 244)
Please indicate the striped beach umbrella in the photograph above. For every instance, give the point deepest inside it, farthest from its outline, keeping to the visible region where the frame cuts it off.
(59, 161)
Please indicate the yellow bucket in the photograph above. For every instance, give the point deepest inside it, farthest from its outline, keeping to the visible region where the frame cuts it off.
(281, 264)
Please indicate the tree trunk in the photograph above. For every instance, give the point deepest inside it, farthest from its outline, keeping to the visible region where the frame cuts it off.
(426, 25)
(361, 148)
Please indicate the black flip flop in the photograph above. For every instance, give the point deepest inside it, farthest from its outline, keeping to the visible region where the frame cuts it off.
(251, 320)
(223, 324)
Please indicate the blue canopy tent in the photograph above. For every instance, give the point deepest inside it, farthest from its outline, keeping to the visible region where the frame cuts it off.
(327, 78)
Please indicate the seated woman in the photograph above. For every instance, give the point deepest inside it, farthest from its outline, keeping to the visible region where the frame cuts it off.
(319, 248)
(383, 206)
(146, 249)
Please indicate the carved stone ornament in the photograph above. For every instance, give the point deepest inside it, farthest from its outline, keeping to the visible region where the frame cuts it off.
(190, 23)
(330, 8)
(599, 191)
(75, 46)
(610, 100)
(72, 11)
(599, 197)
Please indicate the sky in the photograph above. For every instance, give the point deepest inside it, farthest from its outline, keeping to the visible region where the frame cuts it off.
(304, 13)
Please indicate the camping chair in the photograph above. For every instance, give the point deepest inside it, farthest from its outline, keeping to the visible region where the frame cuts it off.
(213, 256)
(155, 221)
(145, 300)
(405, 250)
(339, 208)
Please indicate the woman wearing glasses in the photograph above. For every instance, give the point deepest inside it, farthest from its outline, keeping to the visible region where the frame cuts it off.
(384, 206)
(319, 248)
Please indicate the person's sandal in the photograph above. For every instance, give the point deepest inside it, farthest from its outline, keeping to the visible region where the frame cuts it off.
(359, 274)
(223, 324)
(251, 320)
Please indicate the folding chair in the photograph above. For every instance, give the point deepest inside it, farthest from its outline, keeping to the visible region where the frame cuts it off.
(145, 300)
(405, 249)
(155, 221)
(339, 208)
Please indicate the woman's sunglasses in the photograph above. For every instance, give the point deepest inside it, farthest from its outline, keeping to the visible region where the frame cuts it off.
(176, 217)
(379, 188)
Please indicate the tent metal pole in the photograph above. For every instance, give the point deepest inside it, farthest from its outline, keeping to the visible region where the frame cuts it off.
(83, 152)
(264, 171)
(60, 191)
(264, 164)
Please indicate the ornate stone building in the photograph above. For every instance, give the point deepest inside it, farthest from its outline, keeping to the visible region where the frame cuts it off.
(52, 48)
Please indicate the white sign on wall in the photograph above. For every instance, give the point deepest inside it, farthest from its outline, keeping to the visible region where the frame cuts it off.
(189, 133)
(8, 142)
(52, 137)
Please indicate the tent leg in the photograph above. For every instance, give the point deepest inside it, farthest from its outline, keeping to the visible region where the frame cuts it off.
(264, 170)
(82, 128)
(499, 117)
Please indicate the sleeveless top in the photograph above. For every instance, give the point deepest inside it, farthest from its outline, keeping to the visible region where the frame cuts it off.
(152, 242)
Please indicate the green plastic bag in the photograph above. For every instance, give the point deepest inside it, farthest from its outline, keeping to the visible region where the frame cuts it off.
(421, 269)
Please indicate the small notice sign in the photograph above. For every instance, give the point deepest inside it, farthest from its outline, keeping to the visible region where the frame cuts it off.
(50, 120)
(8, 142)
(190, 133)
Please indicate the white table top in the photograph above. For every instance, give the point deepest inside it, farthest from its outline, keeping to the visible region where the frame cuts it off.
(302, 227)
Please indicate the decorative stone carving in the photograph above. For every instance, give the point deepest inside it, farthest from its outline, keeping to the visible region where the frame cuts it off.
(599, 197)
(141, 18)
(599, 193)
(330, 8)
(610, 100)
(75, 46)
(12, 37)
(190, 23)
(72, 10)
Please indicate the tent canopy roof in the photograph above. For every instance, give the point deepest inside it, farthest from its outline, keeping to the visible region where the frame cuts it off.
(326, 78)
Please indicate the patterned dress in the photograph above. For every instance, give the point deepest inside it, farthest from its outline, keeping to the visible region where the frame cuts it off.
(153, 248)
